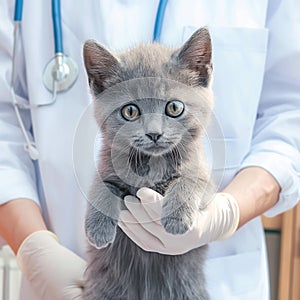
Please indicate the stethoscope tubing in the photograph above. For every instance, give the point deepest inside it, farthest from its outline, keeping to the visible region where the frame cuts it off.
(18, 10)
(56, 19)
(57, 30)
(159, 20)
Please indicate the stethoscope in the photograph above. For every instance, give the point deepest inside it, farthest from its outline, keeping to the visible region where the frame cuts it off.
(62, 71)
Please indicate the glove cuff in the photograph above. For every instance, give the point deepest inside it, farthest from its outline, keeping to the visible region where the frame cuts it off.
(231, 212)
(34, 239)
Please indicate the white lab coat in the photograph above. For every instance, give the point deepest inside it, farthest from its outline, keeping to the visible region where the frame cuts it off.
(256, 56)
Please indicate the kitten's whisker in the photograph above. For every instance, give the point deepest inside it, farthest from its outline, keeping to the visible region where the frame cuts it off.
(140, 157)
(119, 154)
(130, 156)
(182, 148)
(178, 157)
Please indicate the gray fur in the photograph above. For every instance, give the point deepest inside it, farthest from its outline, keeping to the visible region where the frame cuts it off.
(148, 76)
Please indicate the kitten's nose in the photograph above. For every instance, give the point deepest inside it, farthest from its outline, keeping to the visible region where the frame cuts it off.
(153, 136)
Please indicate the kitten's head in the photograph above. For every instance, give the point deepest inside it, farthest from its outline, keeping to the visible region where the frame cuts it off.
(152, 98)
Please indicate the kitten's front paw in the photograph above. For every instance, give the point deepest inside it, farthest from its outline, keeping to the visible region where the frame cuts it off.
(179, 220)
(101, 231)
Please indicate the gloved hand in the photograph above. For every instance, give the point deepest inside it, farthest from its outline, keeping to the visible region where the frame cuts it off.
(53, 271)
(142, 224)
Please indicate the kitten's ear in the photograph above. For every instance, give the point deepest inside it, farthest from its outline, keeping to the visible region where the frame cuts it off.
(100, 65)
(195, 55)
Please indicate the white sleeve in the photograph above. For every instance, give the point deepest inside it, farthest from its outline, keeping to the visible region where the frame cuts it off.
(17, 171)
(276, 138)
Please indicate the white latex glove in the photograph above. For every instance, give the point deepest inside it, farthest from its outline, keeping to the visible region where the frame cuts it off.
(54, 272)
(142, 224)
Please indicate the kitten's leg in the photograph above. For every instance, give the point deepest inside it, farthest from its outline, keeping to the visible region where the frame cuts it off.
(102, 214)
(181, 202)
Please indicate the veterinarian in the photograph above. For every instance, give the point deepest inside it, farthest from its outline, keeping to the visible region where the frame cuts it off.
(256, 58)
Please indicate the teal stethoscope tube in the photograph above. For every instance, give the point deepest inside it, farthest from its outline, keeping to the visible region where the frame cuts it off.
(56, 18)
(18, 10)
(159, 20)
(57, 29)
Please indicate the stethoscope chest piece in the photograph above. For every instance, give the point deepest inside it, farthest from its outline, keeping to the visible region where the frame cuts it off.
(60, 74)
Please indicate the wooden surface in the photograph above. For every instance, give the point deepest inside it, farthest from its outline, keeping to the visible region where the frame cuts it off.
(289, 271)
(295, 264)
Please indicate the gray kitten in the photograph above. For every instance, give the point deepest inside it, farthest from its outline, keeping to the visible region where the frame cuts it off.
(152, 105)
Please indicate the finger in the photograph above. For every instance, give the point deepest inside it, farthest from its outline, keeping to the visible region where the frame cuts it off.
(152, 202)
(151, 227)
(148, 195)
(73, 292)
(127, 217)
(141, 237)
(137, 210)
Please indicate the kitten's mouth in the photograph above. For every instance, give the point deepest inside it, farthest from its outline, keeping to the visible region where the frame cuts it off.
(153, 148)
(156, 149)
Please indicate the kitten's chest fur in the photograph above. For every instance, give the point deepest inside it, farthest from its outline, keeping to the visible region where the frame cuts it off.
(137, 170)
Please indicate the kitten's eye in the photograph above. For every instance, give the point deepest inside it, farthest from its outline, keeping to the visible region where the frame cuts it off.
(130, 112)
(174, 108)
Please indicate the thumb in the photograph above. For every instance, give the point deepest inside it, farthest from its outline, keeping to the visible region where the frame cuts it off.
(151, 201)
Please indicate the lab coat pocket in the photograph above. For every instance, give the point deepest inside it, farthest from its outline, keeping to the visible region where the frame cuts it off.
(234, 277)
(239, 64)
